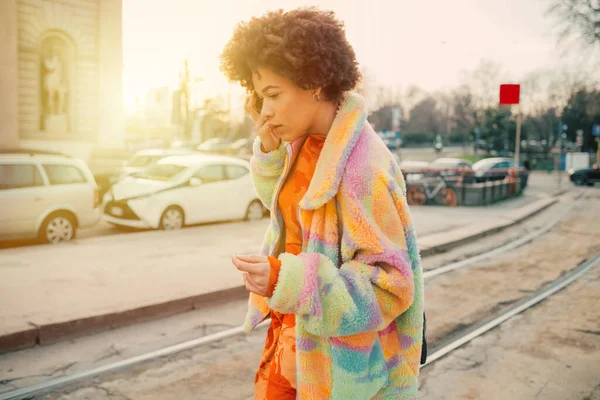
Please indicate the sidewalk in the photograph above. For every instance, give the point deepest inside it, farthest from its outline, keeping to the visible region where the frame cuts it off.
(51, 292)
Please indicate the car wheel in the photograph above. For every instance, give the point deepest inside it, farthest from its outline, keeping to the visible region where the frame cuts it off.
(579, 180)
(58, 227)
(172, 219)
(255, 211)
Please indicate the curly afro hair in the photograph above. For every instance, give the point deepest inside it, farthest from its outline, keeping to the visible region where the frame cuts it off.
(306, 45)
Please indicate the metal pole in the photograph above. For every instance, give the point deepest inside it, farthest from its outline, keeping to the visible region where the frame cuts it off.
(518, 140)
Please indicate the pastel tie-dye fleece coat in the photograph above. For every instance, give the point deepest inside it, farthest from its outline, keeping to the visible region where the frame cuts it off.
(357, 287)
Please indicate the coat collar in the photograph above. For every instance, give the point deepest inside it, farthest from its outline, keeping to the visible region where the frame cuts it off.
(343, 135)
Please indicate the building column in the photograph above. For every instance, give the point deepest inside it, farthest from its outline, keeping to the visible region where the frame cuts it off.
(111, 125)
(9, 67)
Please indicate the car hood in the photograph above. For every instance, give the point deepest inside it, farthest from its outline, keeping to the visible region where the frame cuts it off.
(132, 170)
(133, 187)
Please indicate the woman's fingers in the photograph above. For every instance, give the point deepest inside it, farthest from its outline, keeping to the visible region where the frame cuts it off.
(269, 140)
(244, 266)
(253, 258)
(250, 107)
(251, 286)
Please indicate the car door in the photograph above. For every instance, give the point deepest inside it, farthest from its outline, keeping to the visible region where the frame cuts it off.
(22, 199)
(69, 188)
(593, 174)
(239, 191)
(500, 170)
(206, 201)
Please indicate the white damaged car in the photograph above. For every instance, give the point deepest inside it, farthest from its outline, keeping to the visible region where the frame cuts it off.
(184, 190)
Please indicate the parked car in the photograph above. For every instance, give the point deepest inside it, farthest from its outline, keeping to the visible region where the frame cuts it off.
(451, 164)
(412, 170)
(215, 145)
(496, 168)
(241, 147)
(585, 176)
(392, 139)
(184, 145)
(144, 158)
(184, 190)
(453, 168)
(45, 195)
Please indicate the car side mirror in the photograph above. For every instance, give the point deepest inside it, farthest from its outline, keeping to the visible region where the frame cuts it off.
(195, 181)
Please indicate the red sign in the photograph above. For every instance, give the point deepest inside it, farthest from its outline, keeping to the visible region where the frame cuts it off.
(509, 94)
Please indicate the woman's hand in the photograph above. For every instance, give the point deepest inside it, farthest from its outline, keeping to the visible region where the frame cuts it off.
(268, 139)
(256, 270)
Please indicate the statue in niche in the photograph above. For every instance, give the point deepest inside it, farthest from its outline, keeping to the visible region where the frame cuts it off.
(54, 85)
(55, 60)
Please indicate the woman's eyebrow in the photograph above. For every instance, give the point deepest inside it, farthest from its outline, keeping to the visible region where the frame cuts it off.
(269, 87)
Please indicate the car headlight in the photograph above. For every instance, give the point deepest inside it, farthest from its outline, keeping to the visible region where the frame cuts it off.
(570, 171)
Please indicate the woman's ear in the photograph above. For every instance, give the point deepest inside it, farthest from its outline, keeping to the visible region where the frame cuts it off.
(316, 95)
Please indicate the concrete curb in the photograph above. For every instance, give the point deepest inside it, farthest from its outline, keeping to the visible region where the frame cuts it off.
(444, 241)
(430, 244)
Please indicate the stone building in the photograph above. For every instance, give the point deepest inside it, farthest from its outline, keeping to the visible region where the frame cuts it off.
(61, 75)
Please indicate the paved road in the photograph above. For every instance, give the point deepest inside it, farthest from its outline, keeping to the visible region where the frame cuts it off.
(428, 219)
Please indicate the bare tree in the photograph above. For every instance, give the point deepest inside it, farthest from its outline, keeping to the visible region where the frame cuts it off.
(463, 113)
(578, 17)
(484, 82)
(425, 117)
(186, 114)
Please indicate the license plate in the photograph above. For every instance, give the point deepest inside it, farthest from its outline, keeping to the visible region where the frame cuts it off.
(116, 211)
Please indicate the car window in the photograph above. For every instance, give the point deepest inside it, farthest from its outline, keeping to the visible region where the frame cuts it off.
(210, 173)
(235, 171)
(483, 165)
(160, 172)
(15, 176)
(142, 161)
(64, 174)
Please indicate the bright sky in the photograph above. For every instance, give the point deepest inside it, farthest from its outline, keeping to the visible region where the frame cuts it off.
(401, 42)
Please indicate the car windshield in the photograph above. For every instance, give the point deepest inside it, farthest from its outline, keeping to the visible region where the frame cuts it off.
(212, 143)
(239, 143)
(142, 160)
(161, 172)
(444, 164)
(484, 164)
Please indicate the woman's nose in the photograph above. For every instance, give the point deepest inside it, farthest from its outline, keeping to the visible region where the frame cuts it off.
(267, 112)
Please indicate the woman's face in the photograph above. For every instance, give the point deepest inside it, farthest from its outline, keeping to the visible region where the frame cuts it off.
(290, 110)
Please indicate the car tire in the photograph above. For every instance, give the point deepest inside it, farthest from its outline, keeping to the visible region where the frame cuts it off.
(173, 218)
(58, 227)
(255, 211)
(579, 180)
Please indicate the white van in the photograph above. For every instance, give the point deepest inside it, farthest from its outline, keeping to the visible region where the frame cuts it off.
(45, 195)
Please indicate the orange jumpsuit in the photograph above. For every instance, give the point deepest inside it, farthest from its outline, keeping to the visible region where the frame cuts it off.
(276, 376)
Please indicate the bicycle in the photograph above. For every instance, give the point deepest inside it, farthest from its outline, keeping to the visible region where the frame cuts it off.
(420, 194)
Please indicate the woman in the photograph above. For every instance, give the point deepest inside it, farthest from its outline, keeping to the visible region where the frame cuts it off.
(339, 272)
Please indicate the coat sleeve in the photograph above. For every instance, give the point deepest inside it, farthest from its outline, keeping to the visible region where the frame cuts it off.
(265, 169)
(375, 282)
